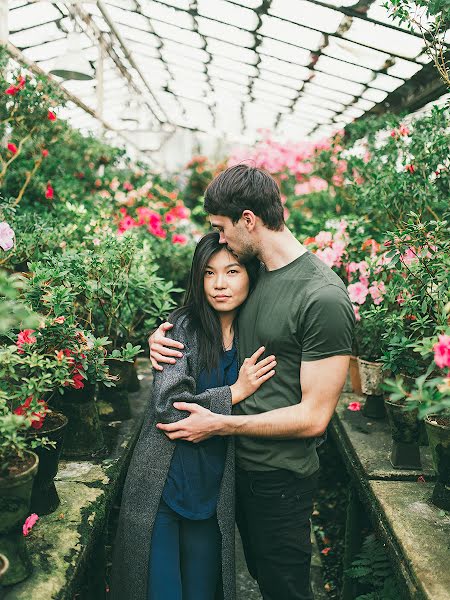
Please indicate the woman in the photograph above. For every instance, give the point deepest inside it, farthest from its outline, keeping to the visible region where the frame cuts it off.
(175, 538)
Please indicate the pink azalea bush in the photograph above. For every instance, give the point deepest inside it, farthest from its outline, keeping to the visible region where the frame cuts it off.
(442, 352)
(30, 522)
(6, 236)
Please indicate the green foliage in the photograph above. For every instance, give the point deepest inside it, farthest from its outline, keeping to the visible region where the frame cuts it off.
(14, 313)
(372, 570)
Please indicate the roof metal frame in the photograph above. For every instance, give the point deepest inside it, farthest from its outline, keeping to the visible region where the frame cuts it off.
(115, 44)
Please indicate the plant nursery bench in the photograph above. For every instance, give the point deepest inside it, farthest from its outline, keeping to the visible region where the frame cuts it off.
(416, 534)
(68, 546)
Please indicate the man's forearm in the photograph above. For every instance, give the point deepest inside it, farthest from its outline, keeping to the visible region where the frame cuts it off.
(286, 422)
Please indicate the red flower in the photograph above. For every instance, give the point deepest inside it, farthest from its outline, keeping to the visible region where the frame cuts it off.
(12, 90)
(410, 168)
(20, 83)
(25, 337)
(78, 381)
(325, 551)
(44, 153)
(309, 240)
(51, 116)
(59, 355)
(60, 320)
(179, 238)
(12, 148)
(127, 186)
(421, 479)
(49, 192)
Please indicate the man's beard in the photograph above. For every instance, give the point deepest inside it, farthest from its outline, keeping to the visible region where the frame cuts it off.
(244, 256)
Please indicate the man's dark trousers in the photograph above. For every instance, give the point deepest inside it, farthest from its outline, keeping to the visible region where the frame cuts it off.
(273, 513)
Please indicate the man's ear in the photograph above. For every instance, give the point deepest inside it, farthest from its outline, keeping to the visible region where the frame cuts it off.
(249, 219)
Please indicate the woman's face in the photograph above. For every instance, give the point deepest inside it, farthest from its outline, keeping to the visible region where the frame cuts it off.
(226, 282)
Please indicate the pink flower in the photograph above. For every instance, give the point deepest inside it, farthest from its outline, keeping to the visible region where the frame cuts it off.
(442, 352)
(127, 186)
(410, 168)
(324, 238)
(96, 242)
(6, 236)
(60, 320)
(127, 223)
(377, 291)
(354, 406)
(403, 130)
(179, 238)
(30, 522)
(12, 148)
(51, 116)
(12, 90)
(356, 311)
(325, 551)
(358, 292)
(24, 337)
(45, 153)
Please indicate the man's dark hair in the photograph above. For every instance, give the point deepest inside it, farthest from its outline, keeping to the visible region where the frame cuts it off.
(242, 188)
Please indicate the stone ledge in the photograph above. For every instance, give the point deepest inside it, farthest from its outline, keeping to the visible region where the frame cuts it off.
(62, 543)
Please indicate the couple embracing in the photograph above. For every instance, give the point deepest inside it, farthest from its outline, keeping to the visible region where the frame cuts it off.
(247, 377)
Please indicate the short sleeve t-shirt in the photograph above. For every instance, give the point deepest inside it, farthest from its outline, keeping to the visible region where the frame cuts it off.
(300, 312)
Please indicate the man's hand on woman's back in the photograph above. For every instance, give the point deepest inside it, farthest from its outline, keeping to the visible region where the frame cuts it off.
(162, 348)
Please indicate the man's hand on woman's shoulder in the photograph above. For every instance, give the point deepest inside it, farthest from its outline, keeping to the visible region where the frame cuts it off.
(162, 348)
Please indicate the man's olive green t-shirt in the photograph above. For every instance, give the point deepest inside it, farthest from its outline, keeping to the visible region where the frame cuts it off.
(300, 312)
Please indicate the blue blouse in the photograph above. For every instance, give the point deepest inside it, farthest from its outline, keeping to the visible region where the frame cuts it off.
(196, 471)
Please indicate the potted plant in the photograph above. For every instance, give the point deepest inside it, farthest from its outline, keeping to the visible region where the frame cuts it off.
(430, 396)
(25, 378)
(18, 467)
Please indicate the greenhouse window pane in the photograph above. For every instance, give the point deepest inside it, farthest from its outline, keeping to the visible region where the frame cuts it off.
(356, 54)
(34, 13)
(228, 75)
(191, 38)
(285, 51)
(353, 112)
(182, 61)
(46, 51)
(137, 35)
(185, 51)
(229, 85)
(329, 94)
(184, 4)
(384, 39)
(36, 35)
(364, 104)
(143, 49)
(234, 65)
(284, 68)
(272, 88)
(307, 14)
(404, 69)
(167, 14)
(128, 17)
(228, 13)
(386, 83)
(270, 98)
(227, 33)
(182, 73)
(336, 83)
(374, 95)
(308, 99)
(291, 33)
(308, 109)
(230, 51)
(331, 66)
(280, 79)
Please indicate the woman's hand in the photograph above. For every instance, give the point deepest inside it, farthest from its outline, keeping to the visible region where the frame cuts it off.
(163, 349)
(252, 375)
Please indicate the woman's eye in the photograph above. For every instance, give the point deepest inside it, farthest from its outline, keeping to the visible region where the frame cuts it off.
(208, 273)
(233, 271)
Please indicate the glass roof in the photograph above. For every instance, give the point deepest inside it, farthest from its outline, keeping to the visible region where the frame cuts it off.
(227, 68)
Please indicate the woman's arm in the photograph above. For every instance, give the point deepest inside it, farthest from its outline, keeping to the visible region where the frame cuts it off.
(177, 384)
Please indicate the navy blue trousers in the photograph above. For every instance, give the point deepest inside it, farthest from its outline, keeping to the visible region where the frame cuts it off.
(185, 557)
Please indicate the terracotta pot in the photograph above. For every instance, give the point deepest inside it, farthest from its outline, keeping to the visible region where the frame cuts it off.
(371, 377)
(354, 376)
(84, 435)
(405, 431)
(44, 497)
(15, 497)
(438, 429)
(117, 396)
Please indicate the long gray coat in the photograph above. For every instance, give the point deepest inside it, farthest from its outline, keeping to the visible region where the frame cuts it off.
(148, 472)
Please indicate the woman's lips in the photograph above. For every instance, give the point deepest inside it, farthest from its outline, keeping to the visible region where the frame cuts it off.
(222, 297)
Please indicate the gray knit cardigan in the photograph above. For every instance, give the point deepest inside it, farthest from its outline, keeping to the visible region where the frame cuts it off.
(148, 470)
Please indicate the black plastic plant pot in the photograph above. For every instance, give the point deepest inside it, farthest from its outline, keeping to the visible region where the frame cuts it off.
(405, 431)
(44, 497)
(84, 436)
(134, 384)
(117, 397)
(438, 428)
(374, 407)
(15, 498)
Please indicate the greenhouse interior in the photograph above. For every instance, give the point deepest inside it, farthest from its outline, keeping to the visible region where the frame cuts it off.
(224, 300)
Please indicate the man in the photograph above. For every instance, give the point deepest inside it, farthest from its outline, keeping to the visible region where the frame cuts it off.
(300, 311)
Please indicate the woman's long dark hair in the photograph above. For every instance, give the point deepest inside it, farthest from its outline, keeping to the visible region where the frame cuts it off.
(202, 317)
